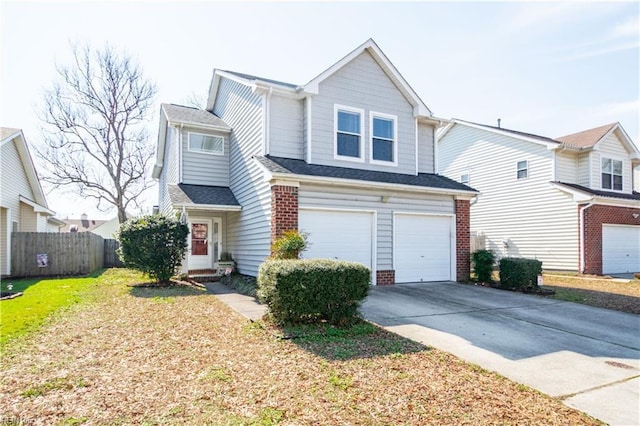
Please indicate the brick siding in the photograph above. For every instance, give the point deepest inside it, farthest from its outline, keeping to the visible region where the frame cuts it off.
(284, 209)
(463, 241)
(594, 217)
(385, 277)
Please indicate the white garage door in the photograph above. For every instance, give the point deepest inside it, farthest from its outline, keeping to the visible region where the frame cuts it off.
(422, 248)
(620, 249)
(338, 235)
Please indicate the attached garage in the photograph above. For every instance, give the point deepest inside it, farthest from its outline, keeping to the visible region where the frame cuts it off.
(620, 248)
(339, 234)
(423, 247)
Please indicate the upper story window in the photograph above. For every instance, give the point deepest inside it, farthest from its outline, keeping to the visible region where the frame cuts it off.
(348, 131)
(383, 138)
(206, 143)
(464, 179)
(611, 174)
(522, 169)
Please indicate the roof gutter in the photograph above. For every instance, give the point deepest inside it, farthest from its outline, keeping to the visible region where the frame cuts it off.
(295, 178)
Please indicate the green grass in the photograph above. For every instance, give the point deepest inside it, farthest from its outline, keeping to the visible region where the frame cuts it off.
(42, 298)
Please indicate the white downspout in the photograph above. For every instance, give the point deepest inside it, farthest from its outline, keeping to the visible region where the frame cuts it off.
(582, 260)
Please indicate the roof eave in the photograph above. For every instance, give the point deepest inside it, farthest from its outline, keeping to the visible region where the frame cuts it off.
(209, 207)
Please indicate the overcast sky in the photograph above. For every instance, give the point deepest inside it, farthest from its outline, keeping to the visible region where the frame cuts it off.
(545, 68)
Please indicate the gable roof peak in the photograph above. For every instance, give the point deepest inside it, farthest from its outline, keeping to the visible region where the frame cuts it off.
(420, 108)
(589, 137)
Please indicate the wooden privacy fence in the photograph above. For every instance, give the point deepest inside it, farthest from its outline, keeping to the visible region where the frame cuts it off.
(46, 253)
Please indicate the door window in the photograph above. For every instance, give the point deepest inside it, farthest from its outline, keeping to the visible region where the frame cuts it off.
(199, 246)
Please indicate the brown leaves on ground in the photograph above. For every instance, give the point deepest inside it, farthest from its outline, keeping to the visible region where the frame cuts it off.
(180, 356)
(620, 295)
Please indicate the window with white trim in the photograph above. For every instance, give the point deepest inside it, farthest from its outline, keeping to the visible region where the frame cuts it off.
(522, 169)
(464, 179)
(383, 138)
(206, 143)
(348, 131)
(611, 171)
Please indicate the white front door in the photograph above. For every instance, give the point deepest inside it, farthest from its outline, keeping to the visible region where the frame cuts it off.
(204, 243)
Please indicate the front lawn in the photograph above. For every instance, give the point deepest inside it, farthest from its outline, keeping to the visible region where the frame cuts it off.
(620, 295)
(40, 299)
(180, 356)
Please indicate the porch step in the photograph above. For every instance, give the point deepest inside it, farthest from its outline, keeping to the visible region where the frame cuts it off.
(203, 275)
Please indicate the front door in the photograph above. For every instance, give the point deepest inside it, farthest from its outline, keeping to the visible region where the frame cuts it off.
(200, 244)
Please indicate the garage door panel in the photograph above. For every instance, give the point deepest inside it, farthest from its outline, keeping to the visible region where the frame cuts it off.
(338, 235)
(422, 248)
(620, 249)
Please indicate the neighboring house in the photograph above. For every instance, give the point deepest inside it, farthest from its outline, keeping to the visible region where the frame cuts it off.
(348, 157)
(108, 229)
(568, 201)
(23, 206)
(84, 224)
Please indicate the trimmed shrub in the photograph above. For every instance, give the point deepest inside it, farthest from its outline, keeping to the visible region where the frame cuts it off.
(289, 245)
(154, 245)
(483, 262)
(313, 290)
(519, 273)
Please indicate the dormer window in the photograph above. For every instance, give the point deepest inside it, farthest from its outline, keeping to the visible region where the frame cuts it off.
(383, 138)
(611, 174)
(206, 144)
(348, 131)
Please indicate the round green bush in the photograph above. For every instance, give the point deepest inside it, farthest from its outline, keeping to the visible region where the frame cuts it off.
(154, 245)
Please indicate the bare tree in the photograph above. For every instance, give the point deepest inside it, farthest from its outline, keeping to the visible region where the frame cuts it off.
(94, 125)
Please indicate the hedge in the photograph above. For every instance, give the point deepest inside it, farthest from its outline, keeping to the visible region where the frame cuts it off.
(313, 290)
(519, 273)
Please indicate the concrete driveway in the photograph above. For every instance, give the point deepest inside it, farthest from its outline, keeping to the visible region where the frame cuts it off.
(588, 357)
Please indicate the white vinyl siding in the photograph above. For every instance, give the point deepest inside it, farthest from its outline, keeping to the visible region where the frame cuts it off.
(362, 84)
(169, 174)
(584, 171)
(5, 241)
(533, 218)
(611, 147)
(14, 181)
(425, 148)
(28, 219)
(370, 200)
(566, 167)
(199, 168)
(286, 127)
(248, 231)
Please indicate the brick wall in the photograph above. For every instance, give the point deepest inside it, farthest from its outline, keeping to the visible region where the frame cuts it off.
(594, 217)
(463, 241)
(284, 209)
(385, 277)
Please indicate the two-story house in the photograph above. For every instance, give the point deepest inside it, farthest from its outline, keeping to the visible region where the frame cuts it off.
(348, 158)
(23, 205)
(567, 201)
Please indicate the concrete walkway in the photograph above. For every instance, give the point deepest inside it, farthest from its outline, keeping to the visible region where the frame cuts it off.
(585, 356)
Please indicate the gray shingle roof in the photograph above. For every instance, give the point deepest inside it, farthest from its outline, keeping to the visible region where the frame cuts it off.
(609, 194)
(515, 132)
(266, 80)
(186, 114)
(300, 167)
(201, 194)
